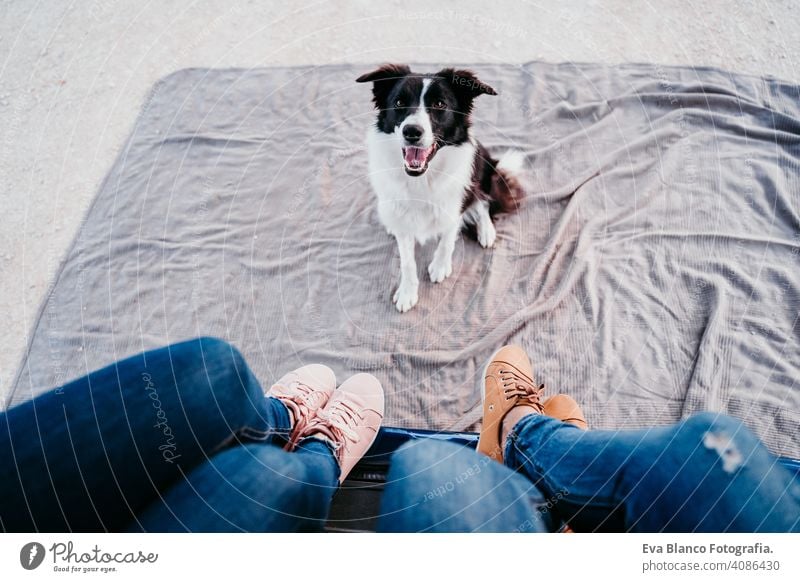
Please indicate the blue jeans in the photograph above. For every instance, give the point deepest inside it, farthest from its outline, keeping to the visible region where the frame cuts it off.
(177, 439)
(707, 473)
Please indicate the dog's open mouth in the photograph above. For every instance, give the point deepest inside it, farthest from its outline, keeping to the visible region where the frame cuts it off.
(416, 159)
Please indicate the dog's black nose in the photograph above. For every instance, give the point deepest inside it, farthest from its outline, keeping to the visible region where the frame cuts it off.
(412, 133)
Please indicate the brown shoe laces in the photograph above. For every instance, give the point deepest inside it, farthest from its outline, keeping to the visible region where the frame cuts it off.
(518, 385)
(335, 422)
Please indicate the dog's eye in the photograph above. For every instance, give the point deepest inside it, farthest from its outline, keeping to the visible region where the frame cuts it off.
(439, 105)
(399, 103)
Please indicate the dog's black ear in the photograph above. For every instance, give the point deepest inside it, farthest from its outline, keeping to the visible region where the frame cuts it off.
(466, 86)
(385, 73)
(383, 79)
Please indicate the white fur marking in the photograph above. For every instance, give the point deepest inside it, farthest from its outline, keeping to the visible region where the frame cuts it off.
(441, 266)
(422, 118)
(407, 293)
(512, 161)
(478, 215)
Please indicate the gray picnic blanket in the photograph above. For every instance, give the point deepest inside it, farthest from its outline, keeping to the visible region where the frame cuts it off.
(651, 272)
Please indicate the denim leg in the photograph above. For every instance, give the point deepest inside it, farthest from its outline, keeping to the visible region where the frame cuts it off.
(707, 473)
(436, 486)
(89, 455)
(253, 488)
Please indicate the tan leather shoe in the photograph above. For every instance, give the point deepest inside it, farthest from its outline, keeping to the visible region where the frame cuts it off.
(349, 421)
(566, 409)
(507, 382)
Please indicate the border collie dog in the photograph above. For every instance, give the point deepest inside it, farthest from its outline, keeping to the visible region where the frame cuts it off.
(430, 176)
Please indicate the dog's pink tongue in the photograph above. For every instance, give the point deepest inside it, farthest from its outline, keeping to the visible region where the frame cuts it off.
(415, 157)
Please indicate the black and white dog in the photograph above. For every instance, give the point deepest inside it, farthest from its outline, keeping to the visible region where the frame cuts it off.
(430, 176)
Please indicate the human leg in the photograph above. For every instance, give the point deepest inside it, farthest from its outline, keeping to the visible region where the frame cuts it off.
(253, 488)
(706, 473)
(89, 455)
(259, 487)
(435, 486)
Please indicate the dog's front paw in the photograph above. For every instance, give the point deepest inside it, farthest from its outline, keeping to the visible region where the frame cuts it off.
(487, 234)
(440, 270)
(406, 297)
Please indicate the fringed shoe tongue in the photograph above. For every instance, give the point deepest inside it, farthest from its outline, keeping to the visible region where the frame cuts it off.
(415, 157)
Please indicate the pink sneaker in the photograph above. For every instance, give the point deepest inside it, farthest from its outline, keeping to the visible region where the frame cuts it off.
(304, 392)
(350, 421)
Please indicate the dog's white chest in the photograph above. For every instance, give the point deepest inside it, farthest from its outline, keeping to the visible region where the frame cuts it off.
(423, 214)
(424, 206)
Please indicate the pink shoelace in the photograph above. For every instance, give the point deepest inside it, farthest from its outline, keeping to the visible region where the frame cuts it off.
(301, 406)
(336, 423)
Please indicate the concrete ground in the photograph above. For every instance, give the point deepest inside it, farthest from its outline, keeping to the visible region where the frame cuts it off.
(74, 74)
